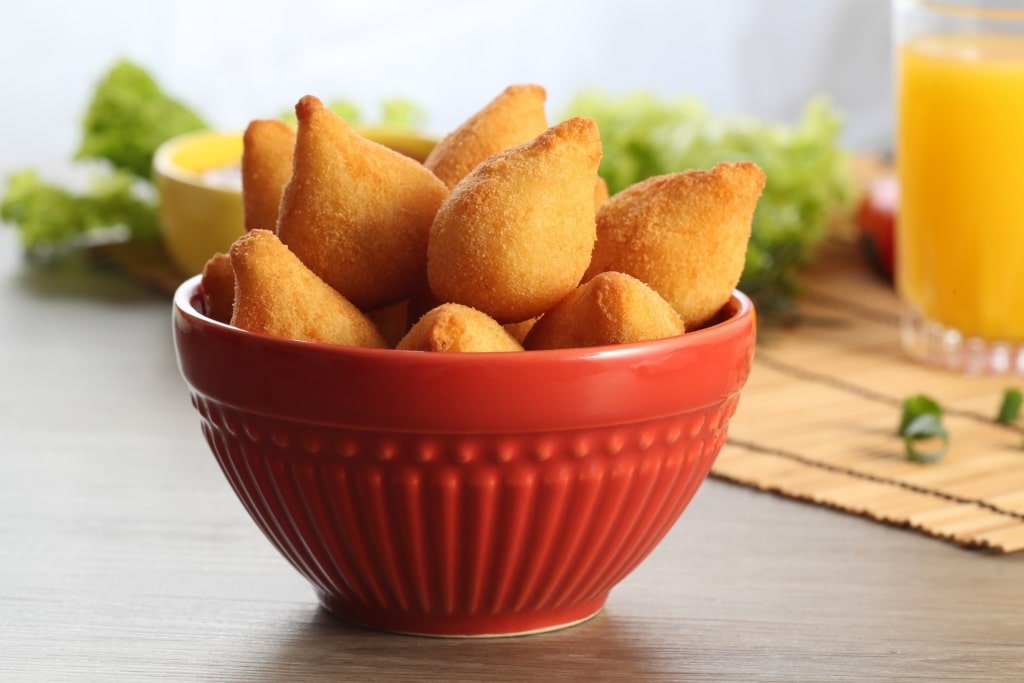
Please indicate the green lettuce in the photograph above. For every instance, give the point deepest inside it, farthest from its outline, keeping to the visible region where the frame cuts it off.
(128, 118)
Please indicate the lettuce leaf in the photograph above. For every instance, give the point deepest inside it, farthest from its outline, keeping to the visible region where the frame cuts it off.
(129, 117)
(51, 218)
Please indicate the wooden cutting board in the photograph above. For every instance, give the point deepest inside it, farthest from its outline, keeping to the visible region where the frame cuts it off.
(817, 420)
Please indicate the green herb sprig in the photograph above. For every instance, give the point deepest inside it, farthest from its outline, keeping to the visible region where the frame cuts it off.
(924, 436)
(1009, 409)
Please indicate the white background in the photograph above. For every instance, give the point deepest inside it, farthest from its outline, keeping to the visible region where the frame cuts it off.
(241, 59)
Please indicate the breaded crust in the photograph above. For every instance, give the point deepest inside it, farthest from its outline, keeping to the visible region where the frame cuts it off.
(458, 328)
(516, 235)
(218, 287)
(267, 146)
(275, 293)
(685, 234)
(611, 308)
(512, 118)
(355, 212)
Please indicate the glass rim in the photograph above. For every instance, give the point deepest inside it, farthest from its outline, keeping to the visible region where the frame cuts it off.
(960, 8)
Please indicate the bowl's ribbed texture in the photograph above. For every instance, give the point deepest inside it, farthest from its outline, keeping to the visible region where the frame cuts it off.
(416, 533)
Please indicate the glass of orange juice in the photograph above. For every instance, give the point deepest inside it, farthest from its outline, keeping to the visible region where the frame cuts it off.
(960, 162)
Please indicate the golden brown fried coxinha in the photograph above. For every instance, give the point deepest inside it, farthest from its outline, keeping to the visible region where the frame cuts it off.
(267, 146)
(685, 234)
(512, 118)
(275, 293)
(454, 327)
(355, 212)
(612, 308)
(515, 236)
(218, 287)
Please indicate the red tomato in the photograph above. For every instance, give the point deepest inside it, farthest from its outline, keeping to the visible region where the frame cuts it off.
(876, 223)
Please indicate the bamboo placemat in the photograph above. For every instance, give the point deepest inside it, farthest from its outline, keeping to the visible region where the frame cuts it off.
(817, 420)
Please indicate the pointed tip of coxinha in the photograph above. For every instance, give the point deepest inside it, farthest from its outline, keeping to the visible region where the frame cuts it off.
(356, 212)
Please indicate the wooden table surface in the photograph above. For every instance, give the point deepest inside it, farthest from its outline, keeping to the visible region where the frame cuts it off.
(124, 555)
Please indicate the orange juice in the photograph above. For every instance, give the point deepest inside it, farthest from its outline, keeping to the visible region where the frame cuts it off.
(960, 155)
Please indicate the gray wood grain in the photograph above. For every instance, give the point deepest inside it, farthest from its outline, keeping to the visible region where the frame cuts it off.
(124, 556)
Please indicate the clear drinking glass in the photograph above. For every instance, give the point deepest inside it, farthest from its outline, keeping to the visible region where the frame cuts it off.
(960, 161)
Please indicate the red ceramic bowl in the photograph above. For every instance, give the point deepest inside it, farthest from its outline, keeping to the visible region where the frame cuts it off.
(463, 494)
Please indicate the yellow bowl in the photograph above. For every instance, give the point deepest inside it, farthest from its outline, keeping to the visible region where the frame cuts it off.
(198, 177)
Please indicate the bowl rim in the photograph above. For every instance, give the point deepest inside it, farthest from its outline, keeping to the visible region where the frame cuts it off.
(739, 309)
(419, 391)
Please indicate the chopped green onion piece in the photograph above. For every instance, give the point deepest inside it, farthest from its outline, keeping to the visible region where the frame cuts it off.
(1009, 411)
(924, 436)
(925, 439)
(915, 406)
